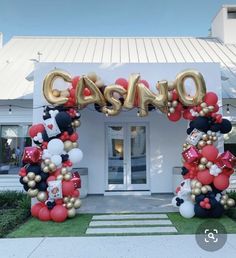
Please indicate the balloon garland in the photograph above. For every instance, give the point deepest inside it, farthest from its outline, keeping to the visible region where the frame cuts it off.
(47, 172)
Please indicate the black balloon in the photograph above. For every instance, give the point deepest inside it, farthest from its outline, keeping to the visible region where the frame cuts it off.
(225, 126)
(63, 120)
(26, 188)
(44, 176)
(189, 130)
(42, 186)
(184, 171)
(34, 168)
(217, 211)
(199, 198)
(215, 128)
(151, 107)
(200, 212)
(201, 123)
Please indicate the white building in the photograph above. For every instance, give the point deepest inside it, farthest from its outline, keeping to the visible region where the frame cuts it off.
(144, 139)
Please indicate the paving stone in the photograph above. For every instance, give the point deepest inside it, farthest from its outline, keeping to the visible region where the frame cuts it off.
(129, 216)
(129, 222)
(129, 230)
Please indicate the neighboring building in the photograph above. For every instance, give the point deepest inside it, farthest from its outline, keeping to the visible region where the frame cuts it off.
(19, 55)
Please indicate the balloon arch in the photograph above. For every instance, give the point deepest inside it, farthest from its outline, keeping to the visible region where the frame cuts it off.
(48, 173)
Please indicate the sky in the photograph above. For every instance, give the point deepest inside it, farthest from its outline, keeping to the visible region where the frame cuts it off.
(108, 17)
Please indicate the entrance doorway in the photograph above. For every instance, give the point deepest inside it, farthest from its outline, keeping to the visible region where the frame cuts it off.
(127, 166)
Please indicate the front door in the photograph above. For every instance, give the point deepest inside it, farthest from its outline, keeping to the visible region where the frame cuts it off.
(126, 154)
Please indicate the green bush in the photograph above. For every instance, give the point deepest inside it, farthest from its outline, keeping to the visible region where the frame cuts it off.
(14, 210)
(232, 195)
(10, 199)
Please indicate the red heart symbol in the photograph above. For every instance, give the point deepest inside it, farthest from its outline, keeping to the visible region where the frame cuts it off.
(50, 126)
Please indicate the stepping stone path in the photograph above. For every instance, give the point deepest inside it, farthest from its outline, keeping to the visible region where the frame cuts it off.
(137, 224)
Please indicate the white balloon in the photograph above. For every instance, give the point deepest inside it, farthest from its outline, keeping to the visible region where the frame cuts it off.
(187, 210)
(46, 154)
(75, 156)
(173, 202)
(56, 159)
(55, 146)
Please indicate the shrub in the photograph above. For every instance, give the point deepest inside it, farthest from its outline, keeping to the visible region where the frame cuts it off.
(10, 199)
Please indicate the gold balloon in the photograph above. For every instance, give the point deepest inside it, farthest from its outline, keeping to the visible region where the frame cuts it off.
(31, 175)
(202, 143)
(25, 179)
(209, 142)
(46, 169)
(71, 213)
(201, 113)
(68, 145)
(209, 164)
(172, 110)
(77, 123)
(193, 183)
(65, 93)
(33, 192)
(198, 184)
(52, 166)
(42, 196)
(231, 202)
(211, 108)
(203, 105)
(56, 93)
(95, 97)
(226, 207)
(75, 144)
(66, 199)
(64, 170)
(222, 202)
(92, 76)
(203, 160)
(129, 100)
(60, 177)
(204, 189)
(196, 191)
(69, 205)
(146, 97)
(193, 196)
(99, 83)
(31, 184)
(77, 203)
(225, 197)
(116, 104)
(72, 199)
(200, 87)
(47, 161)
(171, 85)
(37, 178)
(67, 176)
(208, 187)
(201, 167)
(205, 110)
(48, 85)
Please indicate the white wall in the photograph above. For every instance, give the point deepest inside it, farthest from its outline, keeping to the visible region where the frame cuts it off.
(224, 28)
(166, 138)
(1, 39)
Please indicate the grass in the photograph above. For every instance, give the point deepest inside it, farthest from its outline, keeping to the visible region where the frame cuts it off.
(78, 225)
(36, 228)
(189, 226)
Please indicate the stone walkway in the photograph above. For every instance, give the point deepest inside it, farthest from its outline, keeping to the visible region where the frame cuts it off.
(137, 224)
(127, 204)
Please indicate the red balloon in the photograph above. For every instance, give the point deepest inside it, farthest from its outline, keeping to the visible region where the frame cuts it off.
(179, 107)
(59, 201)
(174, 117)
(175, 95)
(44, 214)
(210, 152)
(221, 182)
(211, 98)
(122, 82)
(34, 129)
(36, 208)
(205, 177)
(58, 213)
(86, 92)
(187, 115)
(74, 137)
(67, 188)
(51, 178)
(227, 171)
(145, 83)
(76, 193)
(216, 108)
(75, 81)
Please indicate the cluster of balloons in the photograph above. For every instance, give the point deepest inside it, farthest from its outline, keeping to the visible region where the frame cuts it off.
(206, 172)
(47, 172)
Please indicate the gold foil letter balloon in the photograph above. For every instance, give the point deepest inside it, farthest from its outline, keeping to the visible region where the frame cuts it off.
(147, 97)
(116, 104)
(48, 85)
(200, 87)
(95, 97)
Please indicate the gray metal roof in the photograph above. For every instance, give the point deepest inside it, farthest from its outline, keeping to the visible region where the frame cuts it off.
(18, 55)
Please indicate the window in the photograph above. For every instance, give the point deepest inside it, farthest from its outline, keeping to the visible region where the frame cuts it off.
(231, 13)
(230, 140)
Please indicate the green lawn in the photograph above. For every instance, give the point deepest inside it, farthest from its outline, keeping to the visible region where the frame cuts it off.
(189, 226)
(36, 228)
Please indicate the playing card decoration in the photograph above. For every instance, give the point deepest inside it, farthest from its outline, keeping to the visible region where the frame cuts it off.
(194, 137)
(51, 125)
(32, 155)
(54, 190)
